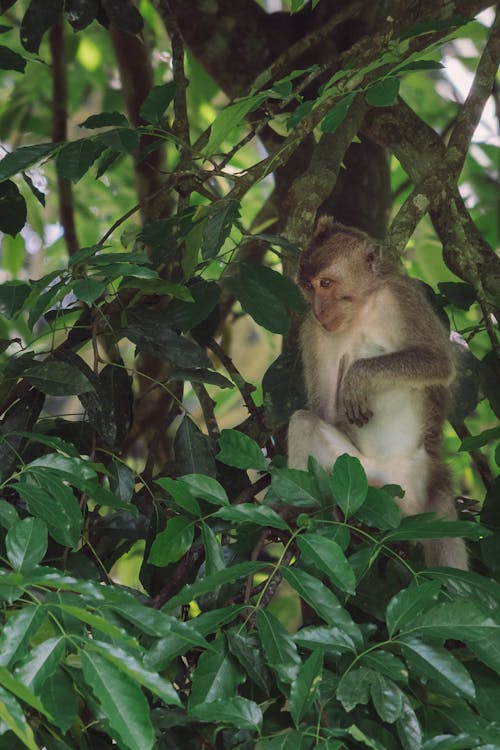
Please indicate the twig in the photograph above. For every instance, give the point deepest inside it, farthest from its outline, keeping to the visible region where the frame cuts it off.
(180, 575)
(246, 389)
(481, 89)
(59, 132)
(404, 223)
(207, 407)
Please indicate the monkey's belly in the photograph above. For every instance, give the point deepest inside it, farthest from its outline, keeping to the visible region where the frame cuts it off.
(395, 430)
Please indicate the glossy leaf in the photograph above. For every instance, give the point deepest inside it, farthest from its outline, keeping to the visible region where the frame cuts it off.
(440, 665)
(324, 638)
(354, 687)
(318, 596)
(173, 542)
(13, 210)
(280, 650)
(156, 102)
(379, 510)
(292, 487)
(387, 698)
(206, 488)
(121, 700)
(383, 93)
(337, 114)
(408, 603)
(39, 17)
(240, 712)
(58, 378)
(217, 226)
(329, 558)
(230, 118)
(88, 290)
(408, 727)
(349, 484)
(74, 159)
(216, 677)
(60, 699)
(261, 515)
(387, 664)
(245, 649)
(429, 526)
(214, 555)
(193, 450)
(10, 60)
(305, 688)
(238, 450)
(24, 157)
(181, 494)
(17, 633)
(26, 543)
(55, 504)
(41, 663)
(12, 715)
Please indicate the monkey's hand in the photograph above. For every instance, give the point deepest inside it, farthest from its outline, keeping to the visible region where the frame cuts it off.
(354, 396)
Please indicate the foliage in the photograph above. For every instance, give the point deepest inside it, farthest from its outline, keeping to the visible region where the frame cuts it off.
(151, 595)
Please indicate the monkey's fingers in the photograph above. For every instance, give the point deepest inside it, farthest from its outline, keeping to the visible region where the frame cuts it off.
(357, 413)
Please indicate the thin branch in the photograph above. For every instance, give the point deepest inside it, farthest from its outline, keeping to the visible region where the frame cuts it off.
(59, 132)
(207, 407)
(246, 389)
(404, 223)
(481, 89)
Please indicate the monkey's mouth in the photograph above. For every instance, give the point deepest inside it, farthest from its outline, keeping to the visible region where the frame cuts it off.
(331, 324)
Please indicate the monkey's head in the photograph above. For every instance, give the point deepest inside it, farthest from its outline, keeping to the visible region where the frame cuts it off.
(336, 271)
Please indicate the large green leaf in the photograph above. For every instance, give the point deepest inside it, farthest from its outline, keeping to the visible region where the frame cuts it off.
(212, 582)
(379, 510)
(13, 294)
(249, 513)
(18, 631)
(61, 699)
(214, 553)
(283, 386)
(354, 687)
(305, 688)
(26, 543)
(337, 114)
(430, 526)
(245, 649)
(122, 702)
(24, 157)
(217, 226)
(280, 650)
(387, 698)
(349, 484)
(328, 557)
(408, 727)
(217, 675)
(74, 159)
(238, 450)
(318, 596)
(12, 715)
(206, 488)
(293, 487)
(58, 378)
(13, 210)
(148, 330)
(10, 60)
(230, 118)
(156, 102)
(240, 712)
(438, 664)
(193, 450)
(408, 603)
(41, 662)
(132, 666)
(55, 504)
(173, 542)
(324, 638)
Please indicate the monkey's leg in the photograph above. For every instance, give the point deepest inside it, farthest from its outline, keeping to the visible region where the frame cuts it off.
(308, 435)
(450, 552)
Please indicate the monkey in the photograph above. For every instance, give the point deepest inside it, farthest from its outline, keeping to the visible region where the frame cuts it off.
(378, 368)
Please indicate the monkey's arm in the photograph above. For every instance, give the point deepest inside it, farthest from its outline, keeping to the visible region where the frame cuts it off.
(417, 366)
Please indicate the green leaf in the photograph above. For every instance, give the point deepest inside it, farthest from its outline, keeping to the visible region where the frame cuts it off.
(305, 687)
(240, 712)
(379, 510)
(122, 701)
(119, 140)
(440, 24)
(383, 93)
(187, 315)
(430, 526)
(318, 596)
(264, 294)
(217, 226)
(387, 664)
(105, 120)
(193, 450)
(13, 210)
(181, 494)
(156, 102)
(420, 65)
(250, 513)
(26, 543)
(212, 582)
(147, 329)
(408, 727)
(206, 488)
(13, 294)
(10, 60)
(293, 487)
(55, 504)
(478, 441)
(214, 555)
(438, 664)
(57, 378)
(328, 557)
(230, 118)
(337, 114)
(97, 623)
(217, 676)
(244, 648)
(24, 157)
(12, 715)
(283, 386)
(131, 666)
(61, 699)
(408, 603)
(18, 631)
(240, 451)
(172, 543)
(41, 662)
(387, 698)
(88, 290)
(349, 484)
(281, 652)
(327, 639)
(20, 691)
(40, 16)
(76, 158)
(354, 687)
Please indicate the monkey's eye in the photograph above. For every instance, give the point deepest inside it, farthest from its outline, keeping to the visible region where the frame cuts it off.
(307, 286)
(325, 283)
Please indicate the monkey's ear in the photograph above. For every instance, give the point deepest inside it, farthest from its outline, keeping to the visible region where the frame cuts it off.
(374, 256)
(324, 228)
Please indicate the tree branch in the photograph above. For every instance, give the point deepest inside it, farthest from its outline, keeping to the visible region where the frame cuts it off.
(59, 132)
(481, 89)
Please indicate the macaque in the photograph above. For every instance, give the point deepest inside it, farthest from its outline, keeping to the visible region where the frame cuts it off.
(378, 370)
